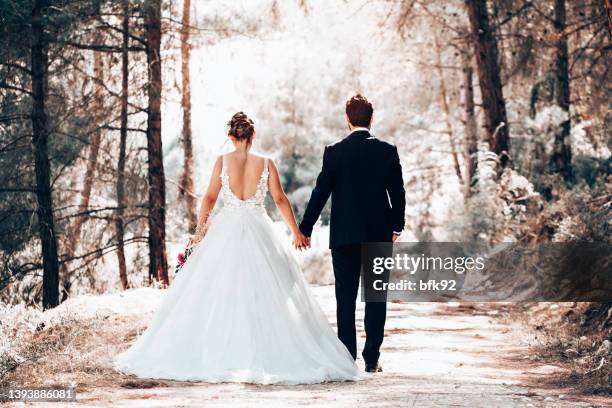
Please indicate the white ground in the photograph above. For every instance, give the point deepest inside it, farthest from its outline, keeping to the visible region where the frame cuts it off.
(433, 356)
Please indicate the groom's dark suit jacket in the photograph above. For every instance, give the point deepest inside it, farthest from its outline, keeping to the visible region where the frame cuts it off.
(363, 175)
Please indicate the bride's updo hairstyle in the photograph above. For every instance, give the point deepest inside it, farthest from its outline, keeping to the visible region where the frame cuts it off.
(241, 127)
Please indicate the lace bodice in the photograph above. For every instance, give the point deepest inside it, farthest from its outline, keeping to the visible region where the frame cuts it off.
(256, 201)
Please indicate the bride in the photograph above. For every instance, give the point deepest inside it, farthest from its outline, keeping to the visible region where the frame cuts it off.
(240, 309)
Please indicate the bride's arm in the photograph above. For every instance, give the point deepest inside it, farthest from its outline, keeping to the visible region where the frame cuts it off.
(284, 206)
(209, 200)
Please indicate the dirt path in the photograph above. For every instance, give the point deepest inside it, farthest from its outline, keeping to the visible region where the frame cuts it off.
(433, 356)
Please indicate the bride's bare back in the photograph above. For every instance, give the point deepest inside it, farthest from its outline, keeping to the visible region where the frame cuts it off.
(244, 171)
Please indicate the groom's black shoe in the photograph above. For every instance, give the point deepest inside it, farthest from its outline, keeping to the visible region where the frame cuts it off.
(373, 368)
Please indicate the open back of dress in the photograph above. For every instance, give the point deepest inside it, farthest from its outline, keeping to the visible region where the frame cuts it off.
(256, 198)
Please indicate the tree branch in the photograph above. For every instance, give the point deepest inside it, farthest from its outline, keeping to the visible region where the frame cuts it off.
(101, 47)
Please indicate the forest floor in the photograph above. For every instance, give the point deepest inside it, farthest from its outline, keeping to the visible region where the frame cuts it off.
(434, 355)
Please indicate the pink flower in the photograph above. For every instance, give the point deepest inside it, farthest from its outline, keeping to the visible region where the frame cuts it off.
(181, 259)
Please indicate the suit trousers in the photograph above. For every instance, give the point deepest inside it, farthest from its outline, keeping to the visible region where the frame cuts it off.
(347, 267)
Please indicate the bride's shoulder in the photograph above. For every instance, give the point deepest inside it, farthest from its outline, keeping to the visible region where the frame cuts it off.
(219, 162)
(261, 156)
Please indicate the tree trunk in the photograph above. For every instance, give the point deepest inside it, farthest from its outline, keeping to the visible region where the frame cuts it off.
(469, 120)
(446, 110)
(119, 227)
(94, 146)
(485, 47)
(609, 12)
(561, 160)
(40, 136)
(158, 267)
(74, 237)
(186, 183)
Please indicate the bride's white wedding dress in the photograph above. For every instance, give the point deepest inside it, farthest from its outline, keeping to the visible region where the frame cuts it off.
(240, 310)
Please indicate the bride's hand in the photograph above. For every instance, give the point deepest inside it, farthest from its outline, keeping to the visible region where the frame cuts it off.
(193, 241)
(190, 243)
(197, 235)
(300, 241)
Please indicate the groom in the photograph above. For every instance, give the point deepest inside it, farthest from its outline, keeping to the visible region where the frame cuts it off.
(363, 175)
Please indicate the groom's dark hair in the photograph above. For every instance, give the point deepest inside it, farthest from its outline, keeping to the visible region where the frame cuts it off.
(359, 111)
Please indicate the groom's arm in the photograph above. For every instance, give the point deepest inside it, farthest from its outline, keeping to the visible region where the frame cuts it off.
(397, 194)
(318, 198)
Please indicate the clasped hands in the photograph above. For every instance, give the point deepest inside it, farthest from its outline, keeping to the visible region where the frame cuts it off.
(300, 241)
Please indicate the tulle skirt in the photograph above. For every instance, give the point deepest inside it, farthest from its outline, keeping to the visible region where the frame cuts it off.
(240, 311)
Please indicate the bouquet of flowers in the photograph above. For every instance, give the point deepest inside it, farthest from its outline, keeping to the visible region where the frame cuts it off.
(193, 241)
(182, 257)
